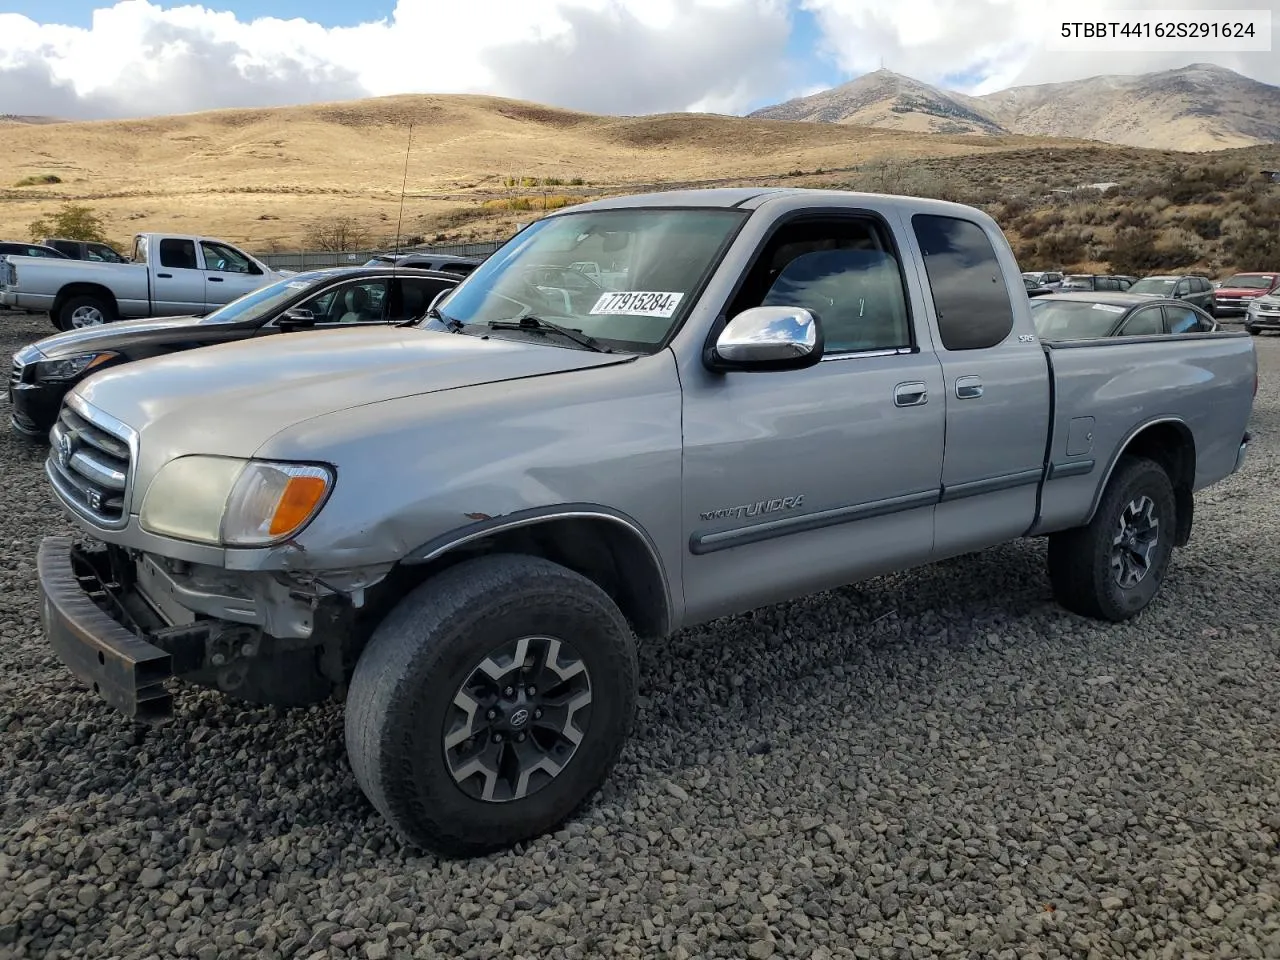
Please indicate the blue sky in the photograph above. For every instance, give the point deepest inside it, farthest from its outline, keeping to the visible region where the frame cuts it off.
(331, 13)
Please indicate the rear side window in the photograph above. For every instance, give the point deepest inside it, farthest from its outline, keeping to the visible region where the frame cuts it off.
(1186, 320)
(1147, 322)
(969, 295)
(178, 254)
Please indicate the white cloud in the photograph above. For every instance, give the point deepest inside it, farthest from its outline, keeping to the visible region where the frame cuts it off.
(616, 56)
(624, 56)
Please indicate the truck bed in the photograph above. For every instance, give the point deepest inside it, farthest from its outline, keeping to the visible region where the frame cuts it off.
(1105, 391)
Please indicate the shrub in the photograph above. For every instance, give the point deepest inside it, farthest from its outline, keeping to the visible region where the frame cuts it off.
(74, 222)
(336, 234)
(38, 180)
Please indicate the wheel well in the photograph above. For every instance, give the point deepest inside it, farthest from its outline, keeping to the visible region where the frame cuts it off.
(1171, 445)
(82, 290)
(610, 554)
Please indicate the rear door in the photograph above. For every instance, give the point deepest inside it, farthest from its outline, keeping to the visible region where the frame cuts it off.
(228, 273)
(177, 282)
(997, 389)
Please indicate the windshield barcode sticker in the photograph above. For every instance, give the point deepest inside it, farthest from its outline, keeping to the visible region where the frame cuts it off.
(638, 303)
(1108, 307)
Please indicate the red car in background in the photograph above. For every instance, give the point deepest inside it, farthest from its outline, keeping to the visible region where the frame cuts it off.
(1236, 292)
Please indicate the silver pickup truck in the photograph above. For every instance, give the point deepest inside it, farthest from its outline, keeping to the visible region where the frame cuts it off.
(461, 526)
(171, 275)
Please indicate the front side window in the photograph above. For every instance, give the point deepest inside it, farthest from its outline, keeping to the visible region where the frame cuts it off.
(653, 265)
(360, 302)
(178, 254)
(220, 258)
(1182, 289)
(842, 270)
(969, 295)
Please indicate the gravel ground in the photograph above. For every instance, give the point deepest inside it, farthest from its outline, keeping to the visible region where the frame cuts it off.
(935, 764)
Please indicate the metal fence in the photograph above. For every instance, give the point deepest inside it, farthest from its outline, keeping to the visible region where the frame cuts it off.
(313, 259)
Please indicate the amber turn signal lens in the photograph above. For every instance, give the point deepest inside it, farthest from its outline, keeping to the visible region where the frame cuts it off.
(300, 497)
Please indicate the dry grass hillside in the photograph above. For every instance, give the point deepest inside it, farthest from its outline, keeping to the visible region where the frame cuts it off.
(262, 176)
(479, 165)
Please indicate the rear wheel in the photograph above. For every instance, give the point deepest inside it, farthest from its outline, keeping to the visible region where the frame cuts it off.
(83, 311)
(1112, 568)
(1253, 330)
(491, 703)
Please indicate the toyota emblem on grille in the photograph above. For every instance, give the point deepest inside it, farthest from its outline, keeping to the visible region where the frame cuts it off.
(66, 447)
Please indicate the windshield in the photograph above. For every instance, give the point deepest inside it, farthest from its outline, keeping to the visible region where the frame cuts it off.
(624, 277)
(263, 302)
(1073, 319)
(1160, 286)
(1241, 282)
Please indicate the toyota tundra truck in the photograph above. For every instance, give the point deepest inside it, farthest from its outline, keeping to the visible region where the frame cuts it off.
(462, 527)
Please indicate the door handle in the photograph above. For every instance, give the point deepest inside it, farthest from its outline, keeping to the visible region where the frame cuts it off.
(968, 388)
(214, 279)
(165, 276)
(911, 394)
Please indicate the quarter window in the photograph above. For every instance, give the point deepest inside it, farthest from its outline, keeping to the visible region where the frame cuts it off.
(842, 270)
(969, 295)
(1185, 320)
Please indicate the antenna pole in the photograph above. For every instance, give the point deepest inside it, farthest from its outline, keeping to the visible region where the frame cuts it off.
(403, 184)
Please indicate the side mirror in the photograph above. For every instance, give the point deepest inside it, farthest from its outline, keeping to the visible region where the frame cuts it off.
(296, 317)
(768, 338)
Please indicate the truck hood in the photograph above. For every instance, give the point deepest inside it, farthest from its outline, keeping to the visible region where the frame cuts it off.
(1240, 292)
(95, 339)
(230, 398)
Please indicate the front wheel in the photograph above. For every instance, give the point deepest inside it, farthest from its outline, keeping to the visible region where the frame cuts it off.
(491, 703)
(1112, 568)
(1253, 330)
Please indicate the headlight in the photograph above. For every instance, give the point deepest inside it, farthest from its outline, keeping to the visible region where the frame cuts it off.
(71, 367)
(235, 503)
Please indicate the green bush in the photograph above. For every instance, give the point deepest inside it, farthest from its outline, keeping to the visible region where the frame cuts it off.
(39, 180)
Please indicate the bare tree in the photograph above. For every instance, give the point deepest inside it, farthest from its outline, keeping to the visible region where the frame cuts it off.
(335, 234)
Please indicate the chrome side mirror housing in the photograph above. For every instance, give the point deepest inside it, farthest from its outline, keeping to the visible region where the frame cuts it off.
(768, 338)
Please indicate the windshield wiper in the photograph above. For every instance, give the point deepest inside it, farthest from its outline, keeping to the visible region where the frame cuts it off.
(537, 323)
(453, 325)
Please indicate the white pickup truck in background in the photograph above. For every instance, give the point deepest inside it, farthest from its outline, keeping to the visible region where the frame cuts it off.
(171, 275)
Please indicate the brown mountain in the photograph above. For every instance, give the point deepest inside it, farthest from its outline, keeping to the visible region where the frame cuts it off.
(1198, 107)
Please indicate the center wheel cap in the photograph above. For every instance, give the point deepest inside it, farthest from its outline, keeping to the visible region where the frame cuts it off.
(519, 718)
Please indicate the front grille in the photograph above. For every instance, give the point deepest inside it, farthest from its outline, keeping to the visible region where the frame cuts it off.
(89, 463)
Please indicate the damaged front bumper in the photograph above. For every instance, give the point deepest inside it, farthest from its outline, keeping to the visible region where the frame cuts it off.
(127, 671)
(125, 623)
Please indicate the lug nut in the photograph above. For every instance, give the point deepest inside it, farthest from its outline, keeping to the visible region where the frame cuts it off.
(497, 738)
(537, 714)
(492, 715)
(509, 692)
(218, 659)
(531, 690)
(520, 738)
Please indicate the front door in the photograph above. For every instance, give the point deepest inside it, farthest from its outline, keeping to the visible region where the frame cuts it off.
(228, 274)
(803, 480)
(997, 389)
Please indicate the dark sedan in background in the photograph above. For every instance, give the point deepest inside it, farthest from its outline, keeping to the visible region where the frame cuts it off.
(1090, 316)
(1098, 282)
(316, 300)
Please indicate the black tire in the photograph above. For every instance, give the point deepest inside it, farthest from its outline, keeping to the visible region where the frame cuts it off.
(1081, 561)
(403, 692)
(63, 321)
(1253, 330)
